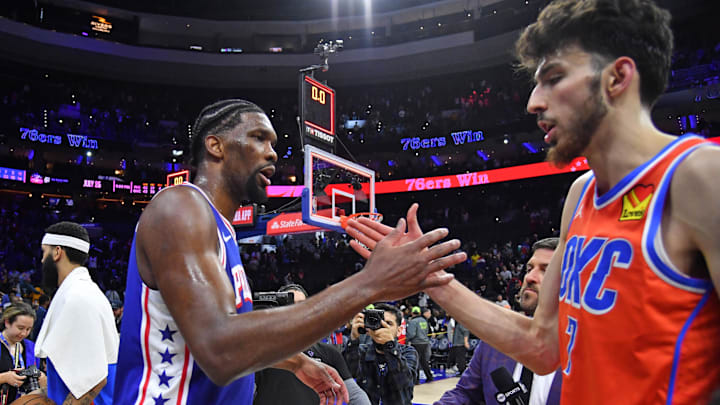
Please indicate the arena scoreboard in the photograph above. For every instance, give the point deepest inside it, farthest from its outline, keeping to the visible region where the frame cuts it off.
(176, 178)
(317, 113)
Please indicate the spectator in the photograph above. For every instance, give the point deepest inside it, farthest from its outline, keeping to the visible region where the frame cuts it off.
(117, 308)
(460, 346)
(385, 369)
(502, 301)
(417, 336)
(43, 304)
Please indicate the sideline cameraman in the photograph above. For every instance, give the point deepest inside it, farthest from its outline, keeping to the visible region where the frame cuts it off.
(385, 369)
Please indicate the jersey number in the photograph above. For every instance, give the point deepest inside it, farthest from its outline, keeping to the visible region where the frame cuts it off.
(572, 331)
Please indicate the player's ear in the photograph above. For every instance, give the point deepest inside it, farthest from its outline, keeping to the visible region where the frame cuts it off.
(214, 146)
(621, 74)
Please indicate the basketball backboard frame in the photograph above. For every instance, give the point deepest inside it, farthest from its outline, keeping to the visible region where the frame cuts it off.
(333, 222)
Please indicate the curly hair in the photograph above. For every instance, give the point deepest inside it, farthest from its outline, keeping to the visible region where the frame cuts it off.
(217, 118)
(638, 29)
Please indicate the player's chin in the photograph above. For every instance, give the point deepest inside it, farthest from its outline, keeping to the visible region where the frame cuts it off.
(259, 194)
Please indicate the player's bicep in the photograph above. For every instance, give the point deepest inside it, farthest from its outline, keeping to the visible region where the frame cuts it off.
(182, 255)
(546, 313)
(695, 194)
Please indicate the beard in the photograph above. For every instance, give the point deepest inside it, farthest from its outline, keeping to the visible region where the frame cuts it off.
(255, 192)
(581, 129)
(49, 274)
(528, 302)
(251, 190)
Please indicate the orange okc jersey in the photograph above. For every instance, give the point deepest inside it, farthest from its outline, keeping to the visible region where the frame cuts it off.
(634, 329)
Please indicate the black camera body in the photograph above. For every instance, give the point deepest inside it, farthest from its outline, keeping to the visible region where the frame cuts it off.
(272, 299)
(373, 319)
(32, 381)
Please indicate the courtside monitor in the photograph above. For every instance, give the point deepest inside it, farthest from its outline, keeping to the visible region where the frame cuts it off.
(317, 113)
(335, 187)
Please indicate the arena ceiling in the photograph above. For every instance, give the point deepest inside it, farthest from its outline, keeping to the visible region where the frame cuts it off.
(261, 10)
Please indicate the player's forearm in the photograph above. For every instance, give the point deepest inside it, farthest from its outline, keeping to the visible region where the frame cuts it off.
(86, 399)
(244, 343)
(292, 363)
(516, 335)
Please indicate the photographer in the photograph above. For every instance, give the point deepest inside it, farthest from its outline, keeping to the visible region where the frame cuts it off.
(16, 353)
(385, 369)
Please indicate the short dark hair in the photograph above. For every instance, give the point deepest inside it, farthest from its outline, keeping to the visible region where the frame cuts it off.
(391, 308)
(294, 287)
(217, 118)
(547, 243)
(75, 230)
(638, 29)
(43, 299)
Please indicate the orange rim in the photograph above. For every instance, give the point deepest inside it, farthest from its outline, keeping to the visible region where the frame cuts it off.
(375, 216)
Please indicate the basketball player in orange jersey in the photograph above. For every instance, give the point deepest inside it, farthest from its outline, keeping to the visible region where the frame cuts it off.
(629, 307)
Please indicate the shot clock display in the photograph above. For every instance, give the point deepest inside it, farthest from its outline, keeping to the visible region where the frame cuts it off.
(317, 112)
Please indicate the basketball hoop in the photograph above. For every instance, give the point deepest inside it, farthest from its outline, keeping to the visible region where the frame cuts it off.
(375, 216)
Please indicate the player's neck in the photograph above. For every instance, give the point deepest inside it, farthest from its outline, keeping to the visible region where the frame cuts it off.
(622, 143)
(218, 195)
(64, 270)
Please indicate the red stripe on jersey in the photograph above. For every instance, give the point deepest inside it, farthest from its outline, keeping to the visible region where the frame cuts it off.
(184, 376)
(147, 344)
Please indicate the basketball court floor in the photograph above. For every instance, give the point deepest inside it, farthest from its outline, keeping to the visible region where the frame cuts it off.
(426, 394)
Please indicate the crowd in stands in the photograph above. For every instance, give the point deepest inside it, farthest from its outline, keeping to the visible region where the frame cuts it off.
(496, 223)
(373, 120)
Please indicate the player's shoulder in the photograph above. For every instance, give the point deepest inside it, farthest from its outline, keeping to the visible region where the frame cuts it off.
(86, 298)
(176, 197)
(176, 207)
(700, 167)
(695, 184)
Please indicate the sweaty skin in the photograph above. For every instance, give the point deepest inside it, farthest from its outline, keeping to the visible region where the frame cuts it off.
(622, 140)
(178, 255)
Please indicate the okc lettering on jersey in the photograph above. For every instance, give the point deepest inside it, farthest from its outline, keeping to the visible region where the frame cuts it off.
(579, 252)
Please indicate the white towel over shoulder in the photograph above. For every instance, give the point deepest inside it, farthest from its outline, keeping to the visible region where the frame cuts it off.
(78, 334)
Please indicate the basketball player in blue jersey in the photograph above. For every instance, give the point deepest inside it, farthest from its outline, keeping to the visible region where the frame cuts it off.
(188, 334)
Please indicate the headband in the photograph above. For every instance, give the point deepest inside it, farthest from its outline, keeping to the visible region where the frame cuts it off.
(54, 239)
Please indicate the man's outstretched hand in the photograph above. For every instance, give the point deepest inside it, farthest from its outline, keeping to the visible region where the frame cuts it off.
(324, 380)
(404, 259)
(367, 233)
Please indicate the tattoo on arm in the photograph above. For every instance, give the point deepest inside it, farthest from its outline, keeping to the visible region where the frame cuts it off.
(86, 399)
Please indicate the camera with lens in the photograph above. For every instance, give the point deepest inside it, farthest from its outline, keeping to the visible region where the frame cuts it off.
(31, 382)
(373, 319)
(272, 299)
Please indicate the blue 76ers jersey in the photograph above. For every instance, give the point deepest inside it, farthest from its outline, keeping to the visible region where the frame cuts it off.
(155, 366)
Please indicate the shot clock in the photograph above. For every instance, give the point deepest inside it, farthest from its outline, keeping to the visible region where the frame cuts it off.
(317, 113)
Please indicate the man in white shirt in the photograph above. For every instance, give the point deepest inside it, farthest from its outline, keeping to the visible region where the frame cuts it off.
(78, 337)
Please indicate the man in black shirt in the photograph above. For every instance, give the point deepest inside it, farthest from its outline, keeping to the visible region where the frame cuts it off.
(275, 386)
